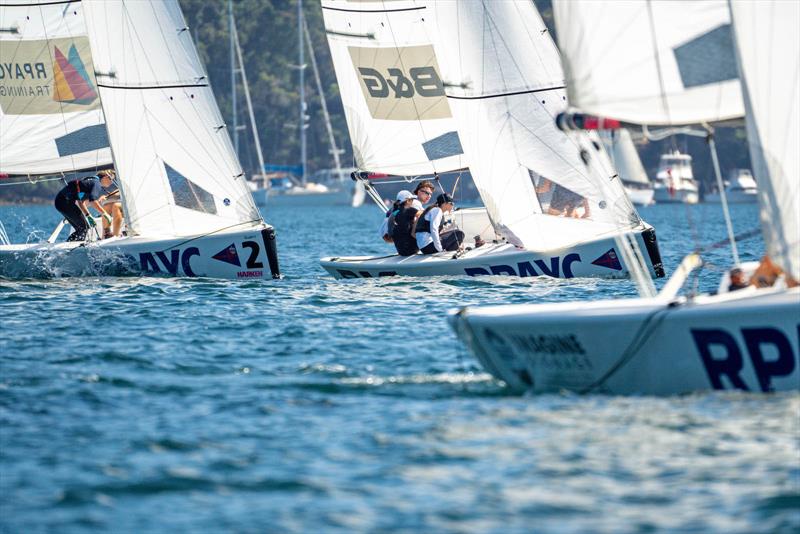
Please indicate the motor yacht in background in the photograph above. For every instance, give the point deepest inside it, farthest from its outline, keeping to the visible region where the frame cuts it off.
(675, 181)
(740, 188)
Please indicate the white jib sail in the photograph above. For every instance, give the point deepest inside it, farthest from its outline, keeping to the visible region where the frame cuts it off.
(505, 86)
(177, 170)
(624, 156)
(768, 46)
(655, 62)
(390, 83)
(50, 115)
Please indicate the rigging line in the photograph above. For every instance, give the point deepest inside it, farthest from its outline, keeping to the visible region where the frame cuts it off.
(657, 57)
(643, 334)
(195, 238)
(512, 93)
(33, 182)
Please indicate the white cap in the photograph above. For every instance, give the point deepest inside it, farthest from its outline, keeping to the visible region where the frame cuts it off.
(404, 195)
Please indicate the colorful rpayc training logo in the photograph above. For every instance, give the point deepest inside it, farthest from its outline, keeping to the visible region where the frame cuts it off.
(48, 77)
(71, 83)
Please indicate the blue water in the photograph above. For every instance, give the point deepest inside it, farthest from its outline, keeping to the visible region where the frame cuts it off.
(314, 405)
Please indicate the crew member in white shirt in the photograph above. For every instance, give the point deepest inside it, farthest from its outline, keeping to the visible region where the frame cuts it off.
(430, 240)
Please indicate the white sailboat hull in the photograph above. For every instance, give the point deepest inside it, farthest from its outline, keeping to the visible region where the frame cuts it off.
(240, 254)
(745, 340)
(733, 197)
(596, 258)
(680, 195)
(640, 197)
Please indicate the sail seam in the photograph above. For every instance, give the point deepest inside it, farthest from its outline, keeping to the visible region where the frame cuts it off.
(513, 93)
(173, 86)
(27, 4)
(373, 10)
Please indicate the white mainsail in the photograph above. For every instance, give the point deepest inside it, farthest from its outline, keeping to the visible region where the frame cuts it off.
(178, 172)
(505, 86)
(659, 62)
(768, 49)
(391, 87)
(624, 156)
(50, 115)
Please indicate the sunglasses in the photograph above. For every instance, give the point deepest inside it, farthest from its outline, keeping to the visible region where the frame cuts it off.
(429, 193)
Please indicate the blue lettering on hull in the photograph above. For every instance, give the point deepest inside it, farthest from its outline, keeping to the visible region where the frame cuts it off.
(558, 268)
(768, 349)
(160, 262)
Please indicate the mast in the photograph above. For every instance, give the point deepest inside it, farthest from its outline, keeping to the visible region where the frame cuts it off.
(301, 66)
(259, 153)
(235, 130)
(334, 150)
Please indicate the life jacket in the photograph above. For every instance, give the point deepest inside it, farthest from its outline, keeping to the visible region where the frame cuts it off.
(424, 225)
(404, 223)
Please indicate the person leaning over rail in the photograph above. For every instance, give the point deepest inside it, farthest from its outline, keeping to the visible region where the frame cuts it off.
(73, 203)
(428, 231)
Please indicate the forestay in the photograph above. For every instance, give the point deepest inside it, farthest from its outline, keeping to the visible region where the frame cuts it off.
(505, 86)
(389, 80)
(178, 172)
(657, 62)
(620, 147)
(768, 48)
(50, 115)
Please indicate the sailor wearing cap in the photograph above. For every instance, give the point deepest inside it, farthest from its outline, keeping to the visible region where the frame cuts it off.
(430, 240)
(387, 226)
(404, 218)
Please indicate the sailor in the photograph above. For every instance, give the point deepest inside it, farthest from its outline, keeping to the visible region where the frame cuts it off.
(406, 214)
(112, 205)
(430, 238)
(387, 225)
(423, 192)
(73, 203)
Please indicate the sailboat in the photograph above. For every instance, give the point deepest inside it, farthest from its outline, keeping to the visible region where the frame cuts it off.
(669, 344)
(120, 83)
(624, 156)
(675, 181)
(436, 87)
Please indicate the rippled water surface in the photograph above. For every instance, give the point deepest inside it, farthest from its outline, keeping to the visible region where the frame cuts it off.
(315, 405)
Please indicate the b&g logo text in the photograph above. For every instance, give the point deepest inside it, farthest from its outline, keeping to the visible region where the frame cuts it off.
(423, 81)
(401, 83)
